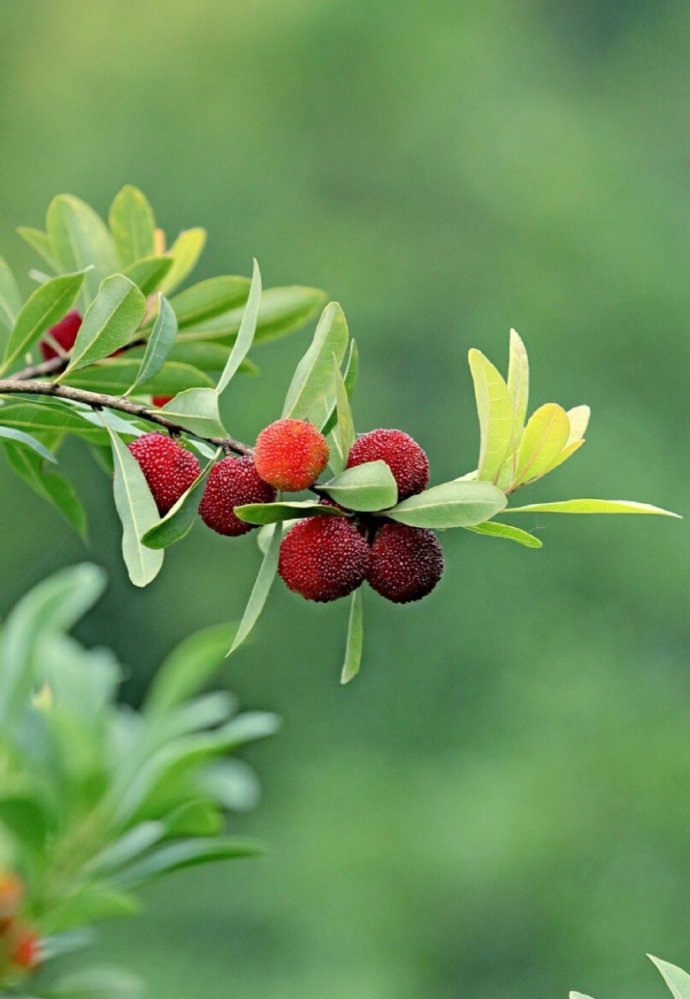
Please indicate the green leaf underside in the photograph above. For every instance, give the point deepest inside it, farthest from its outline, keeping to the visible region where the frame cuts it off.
(578, 418)
(260, 591)
(44, 307)
(196, 410)
(80, 238)
(110, 322)
(209, 298)
(313, 379)
(282, 311)
(545, 437)
(50, 486)
(180, 519)
(369, 487)
(273, 513)
(19, 437)
(355, 639)
(137, 510)
(496, 530)
(588, 506)
(132, 225)
(185, 253)
(677, 980)
(118, 376)
(48, 416)
(496, 416)
(518, 382)
(148, 273)
(344, 430)
(452, 504)
(247, 330)
(159, 343)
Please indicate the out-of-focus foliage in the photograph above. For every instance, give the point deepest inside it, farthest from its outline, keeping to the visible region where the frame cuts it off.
(499, 807)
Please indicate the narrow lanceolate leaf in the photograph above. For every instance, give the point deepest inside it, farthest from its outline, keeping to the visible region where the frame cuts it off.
(578, 417)
(496, 416)
(274, 513)
(452, 504)
(81, 238)
(566, 453)
(578, 995)
(10, 299)
(593, 506)
(132, 225)
(115, 376)
(42, 244)
(544, 438)
(19, 437)
(369, 487)
(179, 520)
(110, 322)
(518, 381)
(677, 980)
(245, 337)
(45, 307)
(51, 486)
(209, 298)
(355, 639)
(159, 343)
(350, 379)
(137, 510)
(185, 252)
(187, 668)
(282, 311)
(495, 530)
(185, 853)
(148, 273)
(344, 429)
(261, 589)
(313, 379)
(196, 410)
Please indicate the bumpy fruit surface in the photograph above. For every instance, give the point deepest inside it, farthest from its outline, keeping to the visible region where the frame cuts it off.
(64, 333)
(232, 482)
(324, 558)
(403, 455)
(406, 562)
(168, 468)
(291, 454)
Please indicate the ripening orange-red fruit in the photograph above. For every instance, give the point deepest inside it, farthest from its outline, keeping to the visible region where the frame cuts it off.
(11, 894)
(291, 454)
(24, 952)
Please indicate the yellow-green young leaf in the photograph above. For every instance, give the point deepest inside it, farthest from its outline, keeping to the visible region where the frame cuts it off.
(42, 244)
(495, 530)
(496, 416)
(185, 252)
(245, 337)
(274, 513)
(110, 322)
(579, 421)
(132, 225)
(677, 980)
(209, 298)
(368, 487)
(593, 506)
(148, 273)
(355, 639)
(45, 307)
(261, 588)
(80, 238)
(196, 410)
(313, 379)
(159, 343)
(452, 504)
(566, 453)
(544, 438)
(10, 299)
(518, 381)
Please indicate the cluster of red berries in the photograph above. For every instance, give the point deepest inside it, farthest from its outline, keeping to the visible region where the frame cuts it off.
(322, 558)
(19, 943)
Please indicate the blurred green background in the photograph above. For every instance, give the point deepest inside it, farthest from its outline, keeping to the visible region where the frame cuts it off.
(499, 805)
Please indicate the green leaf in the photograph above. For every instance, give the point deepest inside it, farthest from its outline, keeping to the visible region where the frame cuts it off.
(518, 382)
(186, 853)
(544, 438)
(350, 379)
(25, 821)
(578, 418)
(274, 513)
(355, 639)
(282, 311)
(42, 244)
(196, 410)
(496, 530)
(187, 668)
(44, 307)
(137, 510)
(19, 437)
(496, 416)
(99, 982)
(185, 253)
(115, 376)
(180, 519)
(260, 591)
(132, 225)
(80, 238)
(344, 430)
(367, 488)
(593, 506)
(245, 337)
(50, 416)
(452, 504)
(110, 322)
(313, 379)
(208, 299)
(160, 342)
(148, 273)
(10, 299)
(677, 980)
(54, 488)
(579, 995)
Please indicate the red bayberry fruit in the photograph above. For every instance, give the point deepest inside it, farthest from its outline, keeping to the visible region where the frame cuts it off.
(324, 558)
(232, 482)
(160, 400)
(64, 333)
(25, 949)
(291, 454)
(168, 468)
(406, 562)
(403, 455)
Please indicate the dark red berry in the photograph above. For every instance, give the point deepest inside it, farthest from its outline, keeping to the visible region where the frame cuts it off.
(324, 558)
(160, 400)
(291, 454)
(406, 562)
(24, 952)
(232, 482)
(403, 455)
(168, 468)
(64, 333)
